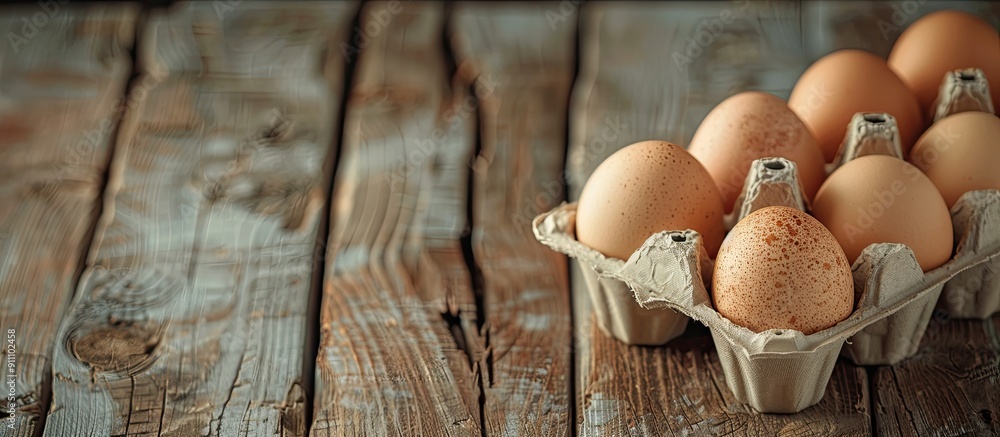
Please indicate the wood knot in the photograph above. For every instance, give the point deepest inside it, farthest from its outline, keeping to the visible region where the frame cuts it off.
(278, 130)
(122, 347)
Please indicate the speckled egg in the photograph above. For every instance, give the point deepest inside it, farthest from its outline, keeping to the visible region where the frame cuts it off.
(645, 188)
(753, 125)
(779, 268)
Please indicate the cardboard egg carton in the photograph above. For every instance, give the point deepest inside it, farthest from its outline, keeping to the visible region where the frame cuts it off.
(778, 370)
(648, 298)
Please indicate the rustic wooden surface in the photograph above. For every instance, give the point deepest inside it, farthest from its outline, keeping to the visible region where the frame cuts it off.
(950, 387)
(190, 317)
(388, 362)
(219, 296)
(60, 105)
(524, 69)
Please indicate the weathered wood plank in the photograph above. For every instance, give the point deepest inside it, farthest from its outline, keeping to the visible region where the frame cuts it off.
(399, 352)
(875, 26)
(524, 63)
(653, 72)
(950, 387)
(63, 73)
(190, 318)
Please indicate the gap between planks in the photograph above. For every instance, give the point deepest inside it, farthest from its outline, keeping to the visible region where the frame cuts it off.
(388, 361)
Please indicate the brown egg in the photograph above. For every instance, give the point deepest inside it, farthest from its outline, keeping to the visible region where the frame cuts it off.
(961, 153)
(883, 199)
(749, 126)
(779, 268)
(842, 83)
(945, 41)
(645, 188)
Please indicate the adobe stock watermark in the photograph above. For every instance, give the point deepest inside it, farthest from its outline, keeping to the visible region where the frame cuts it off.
(705, 34)
(886, 197)
(818, 95)
(902, 13)
(552, 191)
(559, 15)
(483, 88)
(373, 27)
(30, 26)
(10, 377)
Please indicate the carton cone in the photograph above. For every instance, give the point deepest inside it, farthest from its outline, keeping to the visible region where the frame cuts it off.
(961, 91)
(770, 182)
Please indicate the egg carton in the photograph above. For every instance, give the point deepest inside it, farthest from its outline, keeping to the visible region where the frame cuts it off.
(648, 298)
(778, 370)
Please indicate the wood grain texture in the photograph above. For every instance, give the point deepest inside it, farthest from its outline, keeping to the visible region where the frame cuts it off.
(524, 63)
(399, 351)
(190, 318)
(61, 89)
(681, 389)
(653, 72)
(951, 386)
(875, 26)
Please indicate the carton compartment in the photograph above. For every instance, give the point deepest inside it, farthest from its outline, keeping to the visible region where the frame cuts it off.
(777, 382)
(975, 293)
(620, 316)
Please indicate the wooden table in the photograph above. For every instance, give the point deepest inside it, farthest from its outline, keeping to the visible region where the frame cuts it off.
(238, 218)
